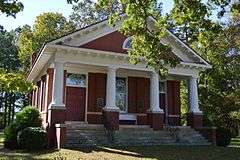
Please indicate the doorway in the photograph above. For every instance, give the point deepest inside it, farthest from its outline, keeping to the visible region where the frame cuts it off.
(75, 97)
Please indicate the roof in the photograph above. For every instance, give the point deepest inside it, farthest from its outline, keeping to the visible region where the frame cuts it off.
(99, 29)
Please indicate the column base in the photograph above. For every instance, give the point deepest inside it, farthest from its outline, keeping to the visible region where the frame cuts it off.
(60, 135)
(55, 116)
(111, 119)
(195, 120)
(156, 120)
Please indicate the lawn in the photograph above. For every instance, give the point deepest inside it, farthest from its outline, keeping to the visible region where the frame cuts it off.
(102, 153)
(156, 153)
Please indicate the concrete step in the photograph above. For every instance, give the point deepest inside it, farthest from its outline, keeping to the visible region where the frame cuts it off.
(82, 134)
(84, 127)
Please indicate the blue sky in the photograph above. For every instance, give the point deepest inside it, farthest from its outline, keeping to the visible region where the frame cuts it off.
(33, 8)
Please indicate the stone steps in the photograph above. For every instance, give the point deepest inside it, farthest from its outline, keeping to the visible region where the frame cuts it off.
(235, 142)
(83, 134)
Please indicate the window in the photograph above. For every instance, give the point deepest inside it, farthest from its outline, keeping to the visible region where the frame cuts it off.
(162, 87)
(127, 43)
(121, 89)
(76, 80)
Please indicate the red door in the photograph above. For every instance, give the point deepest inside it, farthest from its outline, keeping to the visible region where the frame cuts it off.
(75, 103)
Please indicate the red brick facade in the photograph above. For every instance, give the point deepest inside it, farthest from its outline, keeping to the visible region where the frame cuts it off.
(138, 98)
(195, 120)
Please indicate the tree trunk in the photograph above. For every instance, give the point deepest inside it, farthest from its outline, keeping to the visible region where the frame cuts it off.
(13, 107)
(6, 106)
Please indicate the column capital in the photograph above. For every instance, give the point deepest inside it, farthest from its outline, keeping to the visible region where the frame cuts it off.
(194, 77)
(112, 67)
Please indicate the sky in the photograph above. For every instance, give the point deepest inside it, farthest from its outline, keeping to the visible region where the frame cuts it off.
(33, 8)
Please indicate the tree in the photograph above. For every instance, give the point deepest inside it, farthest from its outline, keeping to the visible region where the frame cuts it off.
(10, 7)
(87, 12)
(220, 86)
(9, 59)
(145, 41)
(189, 18)
(47, 26)
(13, 86)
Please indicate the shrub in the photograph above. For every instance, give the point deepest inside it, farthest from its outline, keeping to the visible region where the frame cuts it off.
(10, 136)
(32, 138)
(28, 117)
(223, 136)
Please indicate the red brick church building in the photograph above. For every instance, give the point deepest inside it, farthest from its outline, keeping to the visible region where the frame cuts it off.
(85, 76)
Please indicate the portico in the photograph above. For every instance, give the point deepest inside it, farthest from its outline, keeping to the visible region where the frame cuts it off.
(154, 114)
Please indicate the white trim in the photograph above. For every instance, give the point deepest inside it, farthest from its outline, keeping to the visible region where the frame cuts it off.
(196, 65)
(207, 65)
(89, 29)
(78, 33)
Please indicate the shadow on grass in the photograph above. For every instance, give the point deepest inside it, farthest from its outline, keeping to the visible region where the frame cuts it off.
(148, 152)
(169, 152)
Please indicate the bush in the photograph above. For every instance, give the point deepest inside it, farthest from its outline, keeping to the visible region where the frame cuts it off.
(28, 117)
(223, 136)
(10, 136)
(32, 138)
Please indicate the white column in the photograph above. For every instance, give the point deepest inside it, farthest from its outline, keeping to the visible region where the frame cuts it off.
(193, 95)
(58, 82)
(111, 89)
(41, 95)
(154, 93)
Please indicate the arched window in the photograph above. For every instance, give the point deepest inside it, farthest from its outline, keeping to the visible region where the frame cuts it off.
(127, 43)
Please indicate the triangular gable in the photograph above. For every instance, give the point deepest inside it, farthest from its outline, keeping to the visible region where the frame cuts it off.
(101, 36)
(112, 42)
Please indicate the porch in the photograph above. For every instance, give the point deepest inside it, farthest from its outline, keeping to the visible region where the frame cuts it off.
(131, 96)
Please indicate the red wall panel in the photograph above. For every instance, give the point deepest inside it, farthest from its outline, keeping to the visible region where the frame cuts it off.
(112, 42)
(174, 110)
(75, 103)
(96, 89)
(138, 94)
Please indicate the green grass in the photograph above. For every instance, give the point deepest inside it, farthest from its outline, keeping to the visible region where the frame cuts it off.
(156, 153)
(128, 153)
